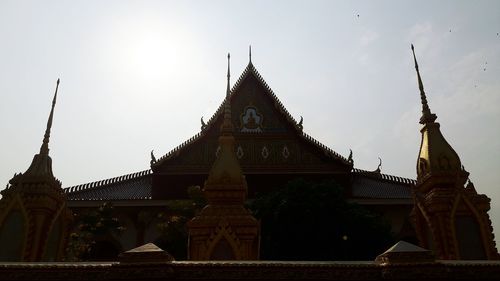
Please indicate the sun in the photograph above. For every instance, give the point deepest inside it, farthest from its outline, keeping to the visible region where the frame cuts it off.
(149, 49)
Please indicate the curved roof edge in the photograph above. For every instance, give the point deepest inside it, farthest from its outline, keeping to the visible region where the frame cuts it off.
(386, 177)
(105, 182)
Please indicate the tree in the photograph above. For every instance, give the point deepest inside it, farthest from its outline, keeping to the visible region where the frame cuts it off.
(172, 227)
(313, 221)
(95, 232)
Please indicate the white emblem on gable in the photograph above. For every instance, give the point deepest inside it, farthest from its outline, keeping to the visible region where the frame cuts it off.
(251, 120)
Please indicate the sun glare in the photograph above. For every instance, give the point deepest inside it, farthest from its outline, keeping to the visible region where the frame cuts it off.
(150, 50)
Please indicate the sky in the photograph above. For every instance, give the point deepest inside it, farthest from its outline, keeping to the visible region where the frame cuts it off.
(138, 75)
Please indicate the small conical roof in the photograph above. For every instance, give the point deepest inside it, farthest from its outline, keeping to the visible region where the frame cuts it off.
(145, 253)
(404, 252)
(403, 246)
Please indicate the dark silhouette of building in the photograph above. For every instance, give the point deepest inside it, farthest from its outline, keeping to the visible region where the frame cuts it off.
(251, 145)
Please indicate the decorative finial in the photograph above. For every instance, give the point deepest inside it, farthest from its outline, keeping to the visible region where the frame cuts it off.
(250, 53)
(228, 74)
(470, 186)
(203, 124)
(44, 149)
(227, 126)
(378, 170)
(153, 158)
(300, 123)
(427, 116)
(350, 159)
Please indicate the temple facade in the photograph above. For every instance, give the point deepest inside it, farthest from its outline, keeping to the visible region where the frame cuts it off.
(253, 145)
(271, 148)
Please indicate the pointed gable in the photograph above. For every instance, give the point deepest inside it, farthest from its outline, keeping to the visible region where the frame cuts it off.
(266, 135)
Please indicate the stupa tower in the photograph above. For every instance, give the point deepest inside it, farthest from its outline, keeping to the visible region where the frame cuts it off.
(224, 229)
(34, 218)
(450, 217)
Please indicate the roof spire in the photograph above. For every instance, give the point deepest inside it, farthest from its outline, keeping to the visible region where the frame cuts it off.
(427, 115)
(227, 126)
(228, 75)
(44, 149)
(250, 53)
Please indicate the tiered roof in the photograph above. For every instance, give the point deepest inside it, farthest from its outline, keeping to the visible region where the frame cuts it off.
(136, 186)
(251, 70)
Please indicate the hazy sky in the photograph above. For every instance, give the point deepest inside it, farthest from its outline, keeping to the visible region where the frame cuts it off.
(138, 75)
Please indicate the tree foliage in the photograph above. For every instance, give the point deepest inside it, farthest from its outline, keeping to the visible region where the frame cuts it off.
(313, 221)
(173, 235)
(172, 226)
(90, 241)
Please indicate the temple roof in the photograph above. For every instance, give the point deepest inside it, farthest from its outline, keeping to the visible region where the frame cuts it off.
(251, 70)
(127, 187)
(375, 185)
(137, 186)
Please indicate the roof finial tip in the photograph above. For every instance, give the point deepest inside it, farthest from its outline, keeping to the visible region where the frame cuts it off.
(44, 149)
(250, 53)
(427, 115)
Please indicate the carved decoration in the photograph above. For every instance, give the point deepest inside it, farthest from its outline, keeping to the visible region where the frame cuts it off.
(251, 120)
(264, 152)
(239, 152)
(285, 152)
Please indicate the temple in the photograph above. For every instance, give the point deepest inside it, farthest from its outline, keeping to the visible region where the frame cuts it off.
(253, 145)
(271, 148)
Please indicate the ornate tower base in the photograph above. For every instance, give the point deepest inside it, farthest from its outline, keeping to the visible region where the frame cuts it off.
(34, 220)
(218, 234)
(453, 221)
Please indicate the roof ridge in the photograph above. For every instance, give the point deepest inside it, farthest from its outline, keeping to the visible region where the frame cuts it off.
(386, 177)
(105, 182)
(325, 148)
(251, 69)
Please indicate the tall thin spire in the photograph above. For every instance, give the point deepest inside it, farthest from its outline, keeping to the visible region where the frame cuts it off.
(44, 149)
(228, 75)
(250, 53)
(227, 126)
(427, 115)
